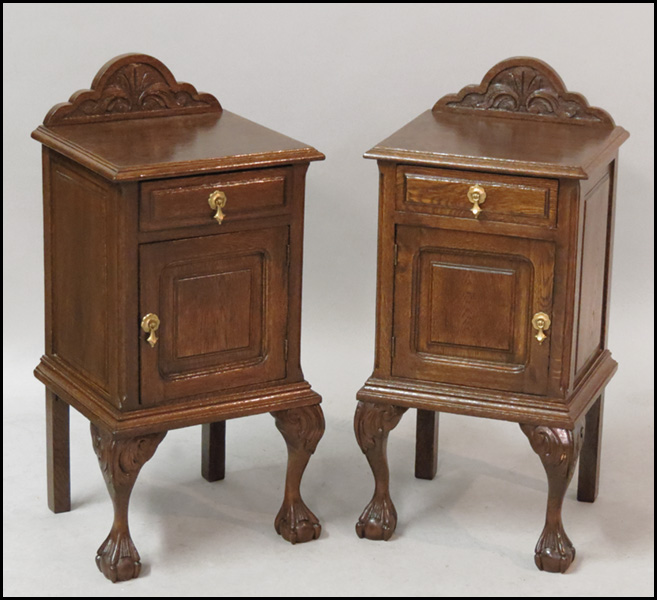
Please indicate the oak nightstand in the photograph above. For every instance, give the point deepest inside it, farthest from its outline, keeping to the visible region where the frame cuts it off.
(173, 247)
(495, 234)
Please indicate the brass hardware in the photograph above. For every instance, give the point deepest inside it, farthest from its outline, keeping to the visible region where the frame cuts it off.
(150, 324)
(541, 322)
(476, 195)
(217, 201)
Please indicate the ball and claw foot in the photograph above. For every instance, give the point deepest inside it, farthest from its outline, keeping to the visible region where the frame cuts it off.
(558, 450)
(554, 552)
(117, 558)
(378, 521)
(120, 461)
(372, 424)
(302, 428)
(297, 524)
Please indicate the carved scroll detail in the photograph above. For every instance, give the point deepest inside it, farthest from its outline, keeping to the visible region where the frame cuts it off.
(524, 88)
(121, 459)
(373, 421)
(557, 448)
(132, 86)
(302, 427)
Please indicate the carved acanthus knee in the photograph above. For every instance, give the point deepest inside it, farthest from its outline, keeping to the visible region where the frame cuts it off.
(374, 421)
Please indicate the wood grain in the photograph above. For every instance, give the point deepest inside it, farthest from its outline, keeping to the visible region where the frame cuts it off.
(592, 272)
(463, 312)
(183, 202)
(143, 149)
(522, 200)
(80, 245)
(222, 303)
(513, 146)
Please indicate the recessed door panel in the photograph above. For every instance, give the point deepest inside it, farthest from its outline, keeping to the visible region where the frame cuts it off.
(230, 296)
(222, 305)
(463, 312)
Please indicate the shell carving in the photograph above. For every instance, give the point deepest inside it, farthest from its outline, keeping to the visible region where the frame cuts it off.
(524, 88)
(132, 86)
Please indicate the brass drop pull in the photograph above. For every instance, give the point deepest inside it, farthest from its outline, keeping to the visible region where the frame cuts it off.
(217, 201)
(150, 324)
(541, 322)
(476, 195)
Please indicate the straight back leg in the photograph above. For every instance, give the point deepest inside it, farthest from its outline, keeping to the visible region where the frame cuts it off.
(589, 462)
(58, 454)
(426, 444)
(213, 458)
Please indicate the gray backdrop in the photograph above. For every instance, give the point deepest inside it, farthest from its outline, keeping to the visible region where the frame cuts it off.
(341, 78)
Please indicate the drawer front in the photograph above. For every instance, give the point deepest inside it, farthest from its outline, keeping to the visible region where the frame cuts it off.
(464, 309)
(221, 306)
(184, 201)
(508, 199)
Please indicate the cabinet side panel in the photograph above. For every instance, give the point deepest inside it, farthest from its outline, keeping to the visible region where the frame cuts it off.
(593, 269)
(80, 271)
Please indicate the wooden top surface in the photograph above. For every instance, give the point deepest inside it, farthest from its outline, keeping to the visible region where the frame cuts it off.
(149, 148)
(519, 119)
(138, 122)
(540, 148)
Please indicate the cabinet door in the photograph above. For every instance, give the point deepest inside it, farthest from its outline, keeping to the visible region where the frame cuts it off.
(222, 306)
(463, 309)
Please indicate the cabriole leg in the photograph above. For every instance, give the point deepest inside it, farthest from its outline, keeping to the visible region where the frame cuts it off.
(558, 450)
(302, 428)
(120, 461)
(372, 423)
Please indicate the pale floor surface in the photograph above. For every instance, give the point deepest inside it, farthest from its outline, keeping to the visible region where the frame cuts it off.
(471, 531)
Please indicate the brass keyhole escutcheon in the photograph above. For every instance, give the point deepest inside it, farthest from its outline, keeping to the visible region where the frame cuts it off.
(150, 324)
(541, 322)
(217, 200)
(476, 195)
